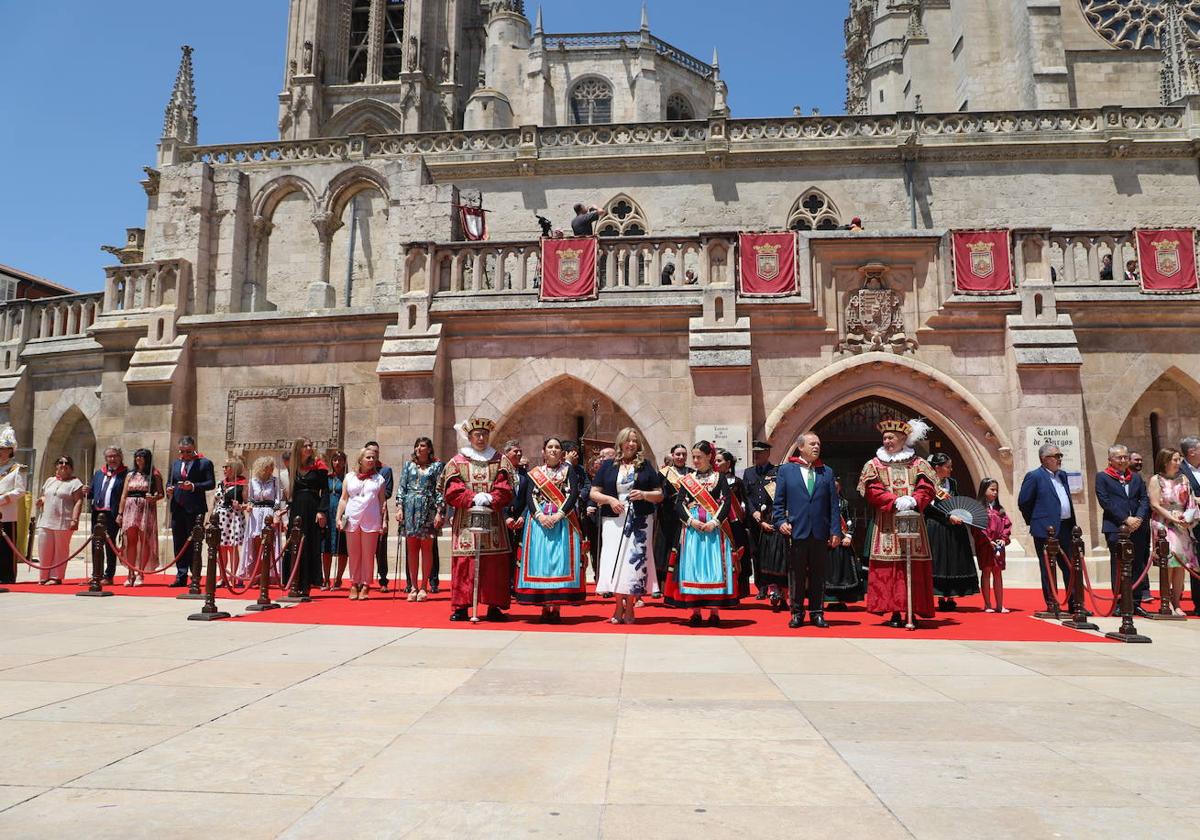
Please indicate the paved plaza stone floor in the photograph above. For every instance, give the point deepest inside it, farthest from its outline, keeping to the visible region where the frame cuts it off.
(120, 719)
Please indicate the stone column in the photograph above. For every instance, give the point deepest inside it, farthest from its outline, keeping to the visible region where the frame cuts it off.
(321, 294)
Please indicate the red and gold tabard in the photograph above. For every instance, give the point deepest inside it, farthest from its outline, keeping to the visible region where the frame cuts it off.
(464, 477)
(897, 478)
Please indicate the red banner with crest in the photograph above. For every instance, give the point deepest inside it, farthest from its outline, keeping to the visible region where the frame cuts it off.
(982, 262)
(569, 269)
(767, 264)
(1166, 260)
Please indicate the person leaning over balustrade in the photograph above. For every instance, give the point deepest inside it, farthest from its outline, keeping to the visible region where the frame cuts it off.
(12, 489)
(58, 507)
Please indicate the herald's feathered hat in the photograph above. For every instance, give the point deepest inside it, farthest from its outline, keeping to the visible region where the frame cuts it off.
(914, 431)
(474, 423)
(8, 438)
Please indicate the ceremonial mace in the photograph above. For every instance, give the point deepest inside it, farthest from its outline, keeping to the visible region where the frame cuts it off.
(908, 529)
(479, 522)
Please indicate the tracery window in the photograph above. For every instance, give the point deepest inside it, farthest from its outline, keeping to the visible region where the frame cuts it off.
(1137, 24)
(591, 102)
(393, 40)
(360, 40)
(678, 108)
(623, 217)
(814, 211)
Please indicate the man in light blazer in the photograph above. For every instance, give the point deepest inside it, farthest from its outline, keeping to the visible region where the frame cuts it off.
(1045, 502)
(806, 511)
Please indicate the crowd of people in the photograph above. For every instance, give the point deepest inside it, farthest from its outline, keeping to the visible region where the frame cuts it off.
(691, 531)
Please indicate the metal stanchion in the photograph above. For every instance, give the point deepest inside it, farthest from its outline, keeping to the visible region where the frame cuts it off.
(99, 535)
(194, 593)
(27, 554)
(1127, 632)
(1079, 619)
(1162, 554)
(266, 557)
(295, 594)
(212, 537)
(1050, 568)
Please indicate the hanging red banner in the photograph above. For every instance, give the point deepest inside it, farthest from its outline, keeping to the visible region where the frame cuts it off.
(474, 222)
(767, 264)
(982, 262)
(1167, 260)
(569, 269)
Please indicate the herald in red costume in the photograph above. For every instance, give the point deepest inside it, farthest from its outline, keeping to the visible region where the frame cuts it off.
(896, 479)
(479, 474)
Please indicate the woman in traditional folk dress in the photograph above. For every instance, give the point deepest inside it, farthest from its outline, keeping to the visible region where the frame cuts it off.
(1173, 515)
(138, 517)
(844, 581)
(705, 572)
(550, 563)
(772, 546)
(627, 489)
(954, 572)
(264, 495)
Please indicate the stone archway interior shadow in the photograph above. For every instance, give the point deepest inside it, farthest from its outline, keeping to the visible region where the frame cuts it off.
(73, 436)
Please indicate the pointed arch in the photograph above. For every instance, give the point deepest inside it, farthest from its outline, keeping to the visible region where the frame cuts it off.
(953, 409)
(276, 190)
(71, 435)
(623, 217)
(537, 375)
(366, 116)
(1167, 408)
(349, 182)
(814, 210)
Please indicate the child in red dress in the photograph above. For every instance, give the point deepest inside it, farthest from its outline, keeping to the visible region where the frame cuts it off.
(989, 546)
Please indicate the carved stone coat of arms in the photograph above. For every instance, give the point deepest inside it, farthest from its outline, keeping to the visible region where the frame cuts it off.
(875, 318)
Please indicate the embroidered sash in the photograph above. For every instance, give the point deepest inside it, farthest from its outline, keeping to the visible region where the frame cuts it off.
(548, 488)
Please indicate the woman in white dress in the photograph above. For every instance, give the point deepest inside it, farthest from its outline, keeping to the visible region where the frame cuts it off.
(627, 489)
(264, 496)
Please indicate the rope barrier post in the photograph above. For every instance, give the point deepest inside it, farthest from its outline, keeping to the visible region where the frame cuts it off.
(264, 601)
(1053, 610)
(1079, 620)
(295, 595)
(197, 541)
(27, 552)
(1162, 554)
(209, 612)
(1127, 631)
(99, 534)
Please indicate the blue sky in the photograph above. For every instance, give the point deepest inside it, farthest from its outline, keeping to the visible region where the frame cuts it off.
(83, 107)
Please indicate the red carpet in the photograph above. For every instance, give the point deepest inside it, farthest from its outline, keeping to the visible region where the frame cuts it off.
(754, 618)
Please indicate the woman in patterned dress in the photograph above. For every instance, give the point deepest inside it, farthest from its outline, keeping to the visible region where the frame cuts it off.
(335, 539)
(705, 572)
(264, 497)
(138, 519)
(627, 489)
(1173, 514)
(231, 512)
(419, 505)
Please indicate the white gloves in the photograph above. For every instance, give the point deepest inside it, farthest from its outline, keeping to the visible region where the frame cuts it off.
(906, 503)
(483, 500)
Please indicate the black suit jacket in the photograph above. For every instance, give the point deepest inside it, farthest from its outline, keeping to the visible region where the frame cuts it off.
(200, 473)
(1118, 505)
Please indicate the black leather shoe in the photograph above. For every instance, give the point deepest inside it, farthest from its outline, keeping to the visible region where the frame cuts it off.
(714, 621)
(895, 621)
(1138, 611)
(459, 614)
(694, 620)
(179, 582)
(818, 620)
(797, 620)
(951, 604)
(494, 614)
(761, 596)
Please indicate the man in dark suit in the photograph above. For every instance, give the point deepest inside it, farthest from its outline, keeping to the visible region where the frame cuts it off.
(753, 477)
(1124, 501)
(190, 479)
(1045, 502)
(516, 524)
(806, 511)
(1189, 447)
(104, 495)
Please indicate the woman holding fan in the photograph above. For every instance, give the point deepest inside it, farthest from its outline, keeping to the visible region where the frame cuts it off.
(949, 541)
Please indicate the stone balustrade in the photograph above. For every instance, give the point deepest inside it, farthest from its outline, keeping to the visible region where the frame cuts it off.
(143, 287)
(1159, 124)
(1076, 256)
(68, 316)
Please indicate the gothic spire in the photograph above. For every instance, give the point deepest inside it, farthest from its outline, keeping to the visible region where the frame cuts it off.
(645, 27)
(1179, 74)
(537, 27)
(179, 122)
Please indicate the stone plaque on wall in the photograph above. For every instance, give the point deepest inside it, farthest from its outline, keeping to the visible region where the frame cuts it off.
(731, 438)
(1067, 439)
(272, 418)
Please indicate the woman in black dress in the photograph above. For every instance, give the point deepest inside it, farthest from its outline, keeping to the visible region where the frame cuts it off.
(845, 582)
(772, 546)
(667, 538)
(310, 501)
(954, 572)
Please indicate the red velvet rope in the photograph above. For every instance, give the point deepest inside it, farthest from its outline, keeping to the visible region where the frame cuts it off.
(17, 553)
(169, 564)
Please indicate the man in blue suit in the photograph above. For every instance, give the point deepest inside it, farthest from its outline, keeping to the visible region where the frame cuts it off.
(1045, 502)
(105, 496)
(806, 511)
(190, 479)
(1124, 500)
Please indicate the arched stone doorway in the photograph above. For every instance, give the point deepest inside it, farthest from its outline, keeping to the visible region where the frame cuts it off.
(849, 439)
(1167, 411)
(567, 407)
(73, 436)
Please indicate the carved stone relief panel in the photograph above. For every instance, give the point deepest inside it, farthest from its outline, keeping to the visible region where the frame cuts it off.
(272, 418)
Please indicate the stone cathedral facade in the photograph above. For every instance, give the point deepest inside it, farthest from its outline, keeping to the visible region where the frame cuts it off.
(321, 284)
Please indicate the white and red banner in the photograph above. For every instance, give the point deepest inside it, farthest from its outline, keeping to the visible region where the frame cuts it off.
(767, 264)
(569, 269)
(982, 262)
(1166, 260)
(474, 222)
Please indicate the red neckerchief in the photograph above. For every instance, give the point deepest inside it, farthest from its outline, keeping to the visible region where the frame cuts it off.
(1124, 479)
(317, 464)
(237, 482)
(363, 476)
(113, 473)
(815, 465)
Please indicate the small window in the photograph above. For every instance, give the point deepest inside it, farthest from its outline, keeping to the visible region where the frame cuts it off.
(591, 102)
(678, 108)
(814, 211)
(393, 40)
(360, 40)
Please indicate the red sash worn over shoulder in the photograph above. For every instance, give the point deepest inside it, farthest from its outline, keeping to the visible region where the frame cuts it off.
(555, 494)
(697, 491)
